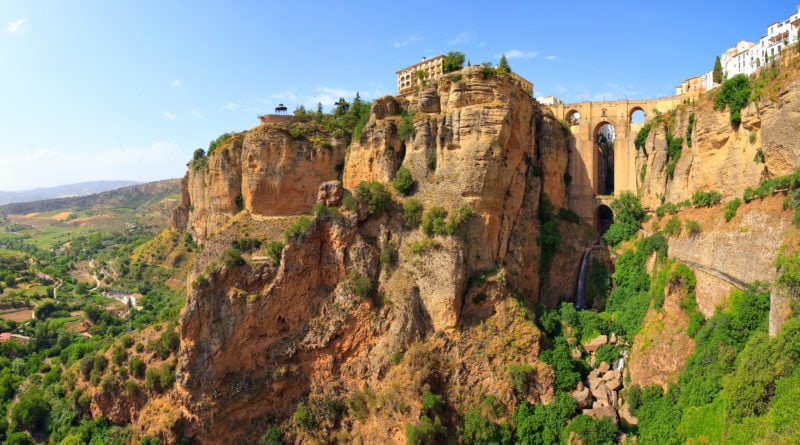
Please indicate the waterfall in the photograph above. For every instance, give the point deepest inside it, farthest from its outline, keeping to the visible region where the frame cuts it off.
(580, 292)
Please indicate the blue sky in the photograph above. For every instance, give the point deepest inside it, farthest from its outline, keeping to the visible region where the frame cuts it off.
(97, 90)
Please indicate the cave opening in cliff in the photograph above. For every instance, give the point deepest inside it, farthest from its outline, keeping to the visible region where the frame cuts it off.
(604, 145)
(603, 218)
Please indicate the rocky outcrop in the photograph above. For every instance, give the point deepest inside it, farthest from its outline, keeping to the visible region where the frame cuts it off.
(271, 170)
(723, 157)
(258, 338)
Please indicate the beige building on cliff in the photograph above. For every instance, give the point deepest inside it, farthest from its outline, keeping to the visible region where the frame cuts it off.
(432, 69)
(428, 69)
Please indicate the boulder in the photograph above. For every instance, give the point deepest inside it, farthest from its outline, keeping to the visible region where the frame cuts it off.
(602, 411)
(330, 193)
(592, 345)
(583, 397)
(601, 394)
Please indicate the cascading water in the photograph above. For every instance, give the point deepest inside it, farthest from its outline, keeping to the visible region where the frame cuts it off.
(580, 291)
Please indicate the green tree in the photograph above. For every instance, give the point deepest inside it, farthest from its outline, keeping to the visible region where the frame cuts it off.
(403, 182)
(32, 411)
(503, 65)
(341, 107)
(717, 74)
(453, 61)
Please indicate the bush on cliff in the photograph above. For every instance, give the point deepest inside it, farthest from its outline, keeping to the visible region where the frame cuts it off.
(412, 213)
(403, 182)
(628, 217)
(372, 195)
(734, 93)
(298, 230)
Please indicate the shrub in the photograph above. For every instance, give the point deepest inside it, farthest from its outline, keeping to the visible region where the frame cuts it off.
(731, 207)
(423, 245)
(673, 226)
(706, 199)
(403, 182)
(520, 375)
(425, 431)
(304, 417)
(167, 376)
(689, 129)
(119, 355)
(152, 379)
(432, 402)
(734, 93)
(246, 244)
(430, 159)
(296, 132)
(298, 230)
(565, 214)
(641, 136)
(388, 256)
(487, 70)
(275, 250)
(232, 258)
(374, 196)
(406, 129)
(412, 213)
(272, 436)
(362, 286)
(397, 357)
(150, 440)
(692, 227)
(606, 353)
(542, 424)
(434, 221)
(592, 431)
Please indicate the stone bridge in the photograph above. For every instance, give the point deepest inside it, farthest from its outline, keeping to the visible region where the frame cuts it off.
(598, 170)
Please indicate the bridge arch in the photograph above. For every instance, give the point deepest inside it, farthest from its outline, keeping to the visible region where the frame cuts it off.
(603, 135)
(603, 218)
(573, 117)
(637, 115)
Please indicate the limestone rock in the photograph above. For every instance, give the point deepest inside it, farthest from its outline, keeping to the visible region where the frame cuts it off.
(602, 411)
(592, 345)
(582, 397)
(330, 193)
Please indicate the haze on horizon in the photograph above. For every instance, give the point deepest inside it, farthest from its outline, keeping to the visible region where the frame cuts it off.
(111, 90)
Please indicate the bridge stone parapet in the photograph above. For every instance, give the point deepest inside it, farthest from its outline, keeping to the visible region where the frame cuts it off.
(585, 119)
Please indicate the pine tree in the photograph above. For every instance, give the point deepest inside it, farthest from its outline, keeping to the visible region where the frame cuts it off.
(717, 74)
(503, 65)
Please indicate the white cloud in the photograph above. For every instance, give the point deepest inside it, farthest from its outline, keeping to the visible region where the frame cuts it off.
(16, 24)
(176, 83)
(464, 37)
(551, 57)
(405, 42)
(229, 106)
(160, 160)
(517, 54)
(328, 96)
(197, 115)
(170, 116)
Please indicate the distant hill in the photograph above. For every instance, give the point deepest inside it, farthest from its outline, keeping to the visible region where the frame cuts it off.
(132, 197)
(62, 191)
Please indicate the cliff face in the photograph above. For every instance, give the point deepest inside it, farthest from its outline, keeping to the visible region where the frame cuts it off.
(259, 169)
(479, 143)
(259, 338)
(723, 157)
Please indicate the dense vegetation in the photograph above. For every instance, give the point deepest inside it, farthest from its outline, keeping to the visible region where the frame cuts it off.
(48, 372)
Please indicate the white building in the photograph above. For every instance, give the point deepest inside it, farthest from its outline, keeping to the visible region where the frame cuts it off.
(748, 57)
(549, 100)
